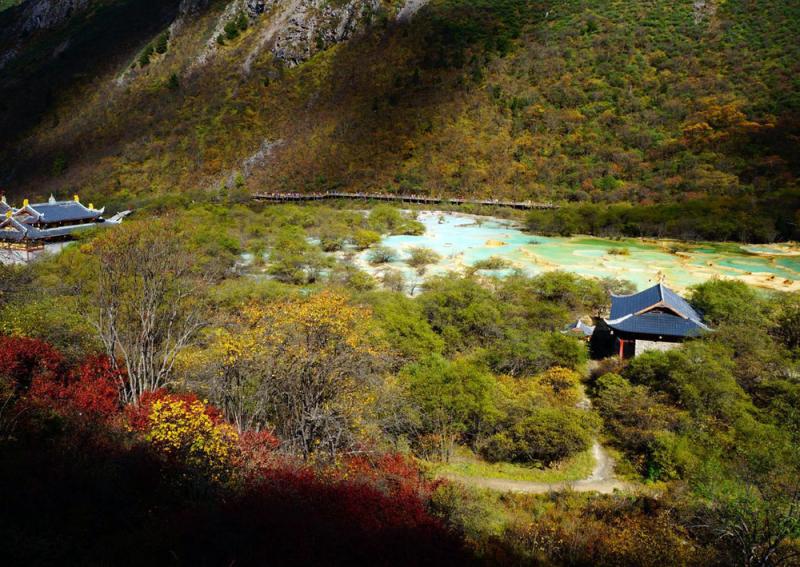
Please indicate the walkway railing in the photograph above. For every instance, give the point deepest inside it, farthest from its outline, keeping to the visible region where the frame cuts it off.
(421, 199)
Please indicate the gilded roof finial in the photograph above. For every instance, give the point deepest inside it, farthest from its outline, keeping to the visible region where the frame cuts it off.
(76, 198)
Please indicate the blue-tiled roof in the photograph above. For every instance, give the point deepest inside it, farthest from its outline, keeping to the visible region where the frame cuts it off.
(658, 324)
(655, 311)
(658, 295)
(62, 211)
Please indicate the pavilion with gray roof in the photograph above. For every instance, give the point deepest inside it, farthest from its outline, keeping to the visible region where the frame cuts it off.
(33, 225)
(654, 319)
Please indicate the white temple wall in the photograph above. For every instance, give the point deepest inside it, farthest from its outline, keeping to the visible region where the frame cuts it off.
(644, 346)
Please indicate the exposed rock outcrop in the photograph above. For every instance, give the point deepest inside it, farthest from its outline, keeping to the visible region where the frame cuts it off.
(33, 16)
(191, 7)
(46, 14)
(257, 7)
(317, 25)
(704, 10)
(409, 9)
(258, 159)
(300, 28)
(292, 30)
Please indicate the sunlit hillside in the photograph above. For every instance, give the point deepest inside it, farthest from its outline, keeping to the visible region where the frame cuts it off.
(400, 283)
(578, 100)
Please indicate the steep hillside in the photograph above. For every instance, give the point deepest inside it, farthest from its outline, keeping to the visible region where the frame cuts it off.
(608, 101)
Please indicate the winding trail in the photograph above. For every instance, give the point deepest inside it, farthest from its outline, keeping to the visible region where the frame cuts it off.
(602, 480)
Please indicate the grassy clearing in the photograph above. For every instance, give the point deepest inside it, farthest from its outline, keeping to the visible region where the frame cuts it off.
(467, 464)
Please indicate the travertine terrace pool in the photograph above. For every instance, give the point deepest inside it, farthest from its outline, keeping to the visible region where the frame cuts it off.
(463, 239)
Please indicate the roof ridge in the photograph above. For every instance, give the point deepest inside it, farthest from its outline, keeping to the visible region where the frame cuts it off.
(612, 294)
(619, 319)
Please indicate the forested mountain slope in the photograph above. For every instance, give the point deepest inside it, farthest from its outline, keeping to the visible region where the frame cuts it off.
(580, 100)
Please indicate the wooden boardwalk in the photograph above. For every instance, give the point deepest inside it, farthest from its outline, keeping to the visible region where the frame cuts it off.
(419, 199)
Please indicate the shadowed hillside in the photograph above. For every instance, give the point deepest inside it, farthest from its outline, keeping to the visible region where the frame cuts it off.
(51, 62)
(584, 101)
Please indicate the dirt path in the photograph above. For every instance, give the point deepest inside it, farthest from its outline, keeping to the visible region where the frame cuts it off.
(601, 480)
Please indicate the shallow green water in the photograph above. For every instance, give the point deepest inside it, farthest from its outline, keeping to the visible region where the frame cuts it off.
(462, 240)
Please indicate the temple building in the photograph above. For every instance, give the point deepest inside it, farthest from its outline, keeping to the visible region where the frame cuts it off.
(580, 330)
(654, 319)
(32, 226)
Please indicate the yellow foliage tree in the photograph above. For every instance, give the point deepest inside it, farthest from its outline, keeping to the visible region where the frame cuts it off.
(184, 430)
(306, 368)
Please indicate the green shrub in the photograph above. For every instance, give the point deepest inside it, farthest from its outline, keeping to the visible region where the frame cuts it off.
(381, 255)
(551, 435)
(491, 263)
(419, 257)
(618, 252)
(499, 447)
(727, 301)
(546, 436)
(387, 219)
(231, 30)
(235, 27)
(144, 57)
(363, 239)
(405, 325)
(352, 278)
(162, 43)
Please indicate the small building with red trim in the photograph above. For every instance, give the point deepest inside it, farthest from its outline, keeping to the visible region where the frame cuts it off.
(654, 319)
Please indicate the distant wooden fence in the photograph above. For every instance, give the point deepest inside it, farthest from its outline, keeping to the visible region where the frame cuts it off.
(420, 199)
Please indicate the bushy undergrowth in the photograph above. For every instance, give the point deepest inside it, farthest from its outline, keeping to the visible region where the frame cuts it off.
(321, 396)
(168, 481)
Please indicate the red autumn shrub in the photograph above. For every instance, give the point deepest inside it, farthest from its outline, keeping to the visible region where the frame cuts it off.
(393, 473)
(92, 389)
(295, 517)
(23, 359)
(256, 452)
(96, 386)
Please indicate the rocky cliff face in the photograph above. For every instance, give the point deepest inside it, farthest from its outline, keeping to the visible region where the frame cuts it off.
(316, 24)
(292, 30)
(409, 9)
(32, 16)
(46, 14)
